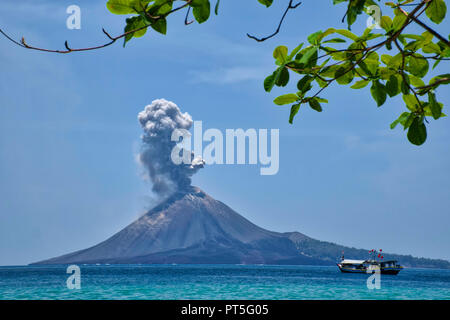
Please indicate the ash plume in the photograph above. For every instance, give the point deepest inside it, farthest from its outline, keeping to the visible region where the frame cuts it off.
(159, 120)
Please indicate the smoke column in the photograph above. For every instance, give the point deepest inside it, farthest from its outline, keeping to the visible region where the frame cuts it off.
(158, 121)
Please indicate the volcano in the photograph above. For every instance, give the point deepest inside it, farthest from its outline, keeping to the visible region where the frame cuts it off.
(192, 227)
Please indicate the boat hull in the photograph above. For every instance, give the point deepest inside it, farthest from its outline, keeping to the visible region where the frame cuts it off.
(391, 271)
(345, 270)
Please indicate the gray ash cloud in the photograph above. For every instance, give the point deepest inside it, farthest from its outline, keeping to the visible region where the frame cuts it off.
(159, 120)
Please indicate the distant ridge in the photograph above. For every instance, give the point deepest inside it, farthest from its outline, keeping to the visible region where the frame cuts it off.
(192, 227)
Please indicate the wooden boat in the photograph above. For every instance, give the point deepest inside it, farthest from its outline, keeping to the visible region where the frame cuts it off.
(368, 266)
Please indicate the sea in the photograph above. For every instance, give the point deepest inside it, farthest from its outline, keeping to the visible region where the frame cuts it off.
(99, 282)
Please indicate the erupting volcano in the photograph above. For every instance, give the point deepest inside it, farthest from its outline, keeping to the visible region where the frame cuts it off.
(189, 226)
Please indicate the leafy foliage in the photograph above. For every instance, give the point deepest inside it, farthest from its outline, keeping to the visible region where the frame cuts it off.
(153, 14)
(340, 56)
(389, 63)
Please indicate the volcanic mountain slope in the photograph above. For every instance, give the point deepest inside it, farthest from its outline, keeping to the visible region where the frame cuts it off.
(192, 227)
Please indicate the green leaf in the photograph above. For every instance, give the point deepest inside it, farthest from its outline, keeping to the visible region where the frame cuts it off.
(371, 62)
(344, 75)
(404, 85)
(201, 10)
(321, 99)
(368, 35)
(417, 133)
(160, 7)
(411, 36)
(335, 40)
(312, 38)
(394, 62)
(409, 121)
(273, 79)
(431, 48)
(436, 11)
(411, 102)
(134, 23)
(441, 77)
(402, 120)
(294, 111)
(160, 25)
(325, 34)
(304, 84)
(418, 65)
(398, 22)
(386, 23)
(436, 63)
(394, 124)
(385, 58)
(294, 52)
(354, 8)
(122, 6)
(389, 45)
(269, 82)
(285, 99)
(416, 81)
(282, 78)
(280, 53)
(267, 3)
(378, 92)
(315, 105)
(308, 54)
(321, 82)
(360, 84)
(392, 86)
(385, 73)
(435, 108)
(347, 34)
(329, 71)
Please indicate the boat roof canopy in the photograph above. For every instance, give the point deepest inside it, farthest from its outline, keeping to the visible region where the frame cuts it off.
(353, 261)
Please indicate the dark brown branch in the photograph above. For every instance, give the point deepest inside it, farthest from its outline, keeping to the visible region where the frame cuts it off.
(186, 19)
(107, 34)
(366, 51)
(23, 44)
(289, 7)
(346, 12)
(360, 75)
(402, 70)
(67, 46)
(12, 40)
(352, 67)
(423, 25)
(425, 89)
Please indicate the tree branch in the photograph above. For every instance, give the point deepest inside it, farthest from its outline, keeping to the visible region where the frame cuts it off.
(289, 7)
(425, 89)
(423, 25)
(366, 51)
(112, 39)
(405, 80)
(186, 19)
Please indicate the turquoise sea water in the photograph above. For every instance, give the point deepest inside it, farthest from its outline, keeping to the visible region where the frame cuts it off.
(217, 282)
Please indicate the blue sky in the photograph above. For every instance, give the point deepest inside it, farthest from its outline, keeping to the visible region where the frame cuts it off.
(69, 134)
